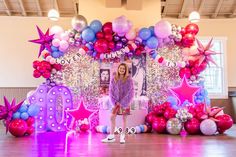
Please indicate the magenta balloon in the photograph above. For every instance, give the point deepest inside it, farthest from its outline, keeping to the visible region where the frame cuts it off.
(162, 29)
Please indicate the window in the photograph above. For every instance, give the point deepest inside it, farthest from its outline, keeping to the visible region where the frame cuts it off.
(216, 76)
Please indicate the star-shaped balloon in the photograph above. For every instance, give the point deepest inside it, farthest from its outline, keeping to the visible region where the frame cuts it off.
(185, 92)
(80, 112)
(44, 40)
(205, 53)
(212, 112)
(8, 110)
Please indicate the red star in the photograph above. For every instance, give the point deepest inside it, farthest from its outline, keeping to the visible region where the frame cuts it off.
(44, 41)
(185, 92)
(80, 112)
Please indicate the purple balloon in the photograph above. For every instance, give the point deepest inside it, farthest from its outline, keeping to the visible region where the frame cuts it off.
(121, 25)
(119, 45)
(116, 38)
(124, 40)
(163, 29)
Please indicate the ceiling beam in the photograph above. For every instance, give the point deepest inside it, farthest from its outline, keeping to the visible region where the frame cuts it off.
(56, 5)
(201, 6)
(217, 9)
(234, 11)
(185, 2)
(74, 4)
(22, 8)
(7, 7)
(165, 8)
(40, 13)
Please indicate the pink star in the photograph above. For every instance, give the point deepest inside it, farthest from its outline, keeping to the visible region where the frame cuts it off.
(184, 92)
(8, 110)
(204, 53)
(80, 112)
(44, 41)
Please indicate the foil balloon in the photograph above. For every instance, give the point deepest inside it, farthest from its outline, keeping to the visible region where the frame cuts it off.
(79, 23)
(174, 126)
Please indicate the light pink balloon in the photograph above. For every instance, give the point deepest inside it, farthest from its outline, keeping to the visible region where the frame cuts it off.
(131, 35)
(56, 42)
(63, 45)
(52, 61)
(56, 30)
(48, 58)
(64, 36)
(162, 29)
(121, 25)
(208, 127)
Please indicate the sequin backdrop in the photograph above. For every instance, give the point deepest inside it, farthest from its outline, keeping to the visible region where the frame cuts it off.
(161, 78)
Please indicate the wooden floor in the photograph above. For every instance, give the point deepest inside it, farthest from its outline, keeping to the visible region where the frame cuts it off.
(146, 145)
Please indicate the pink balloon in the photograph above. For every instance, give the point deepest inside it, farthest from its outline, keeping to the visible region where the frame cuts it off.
(208, 127)
(162, 29)
(131, 35)
(63, 45)
(48, 58)
(56, 42)
(52, 61)
(121, 25)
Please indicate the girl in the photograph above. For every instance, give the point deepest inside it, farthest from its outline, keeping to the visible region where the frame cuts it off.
(121, 94)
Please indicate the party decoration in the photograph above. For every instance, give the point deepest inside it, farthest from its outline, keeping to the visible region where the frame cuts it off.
(183, 115)
(80, 112)
(184, 92)
(205, 52)
(224, 122)
(44, 41)
(192, 28)
(159, 125)
(79, 23)
(192, 126)
(121, 25)
(6, 111)
(18, 127)
(208, 127)
(162, 29)
(174, 126)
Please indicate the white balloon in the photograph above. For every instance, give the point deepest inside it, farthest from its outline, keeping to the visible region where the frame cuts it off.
(56, 30)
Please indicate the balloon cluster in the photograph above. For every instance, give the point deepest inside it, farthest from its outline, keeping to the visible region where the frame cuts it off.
(195, 119)
(183, 115)
(23, 120)
(44, 68)
(82, 125)
(202, 97)
(192, 69)
(26, 111)
(18, 118)
(188, 34)
(60, 41)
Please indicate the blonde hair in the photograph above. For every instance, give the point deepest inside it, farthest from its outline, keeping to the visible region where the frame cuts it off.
(126, 75)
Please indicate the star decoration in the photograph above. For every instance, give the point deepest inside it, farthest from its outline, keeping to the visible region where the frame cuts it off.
(185, 92)
(212, 113)
(8, 110)
(44, 41)
(205, 53)
(80, 113)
